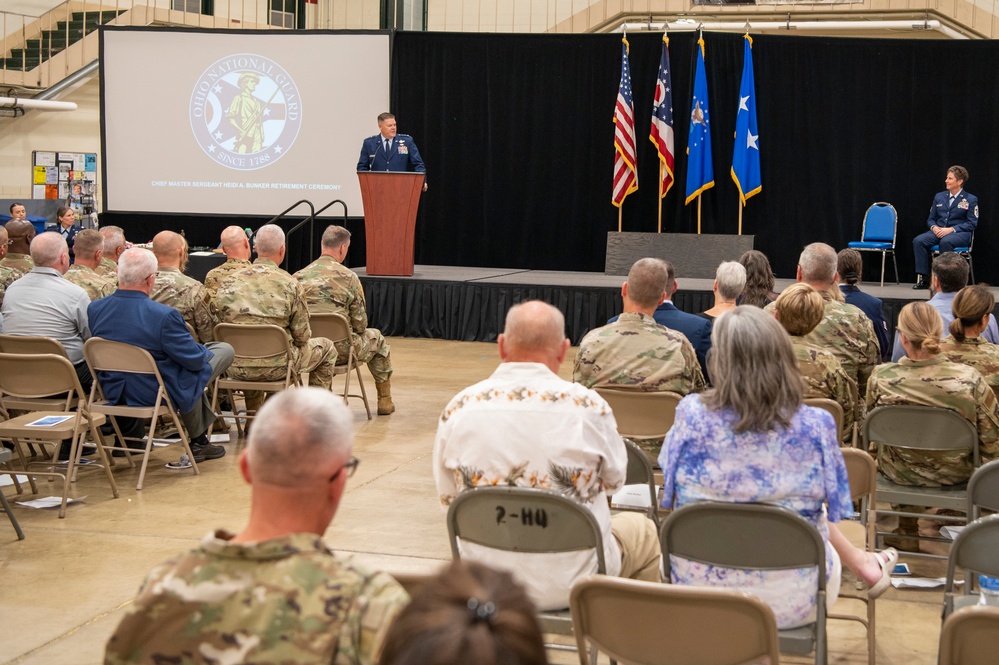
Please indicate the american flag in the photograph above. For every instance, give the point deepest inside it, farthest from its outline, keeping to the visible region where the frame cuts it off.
(662, 120)
(625, 156)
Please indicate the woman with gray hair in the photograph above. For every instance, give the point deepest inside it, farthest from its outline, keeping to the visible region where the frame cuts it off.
(730, 280)
(749, 438)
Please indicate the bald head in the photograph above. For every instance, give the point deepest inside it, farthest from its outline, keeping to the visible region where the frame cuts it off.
(300, 437)
(534, 332)
(817, 265)
(21, 233)
(170, 249)
(235, 244)
(49, 250)
(269, 242)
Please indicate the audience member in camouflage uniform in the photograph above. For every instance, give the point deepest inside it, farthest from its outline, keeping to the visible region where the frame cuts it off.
(635, 351)
(972, 309)
(330, 286)
(845, 331)
(264, 293)
(927, 378)
(185, 294)
(236, 246)
(7, 274)
(114, 245)
(20, 232)
(89, 248)
(274, 593)
(800, 308)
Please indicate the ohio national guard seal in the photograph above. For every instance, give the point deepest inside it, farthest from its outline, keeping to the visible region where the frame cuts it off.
(245, 111)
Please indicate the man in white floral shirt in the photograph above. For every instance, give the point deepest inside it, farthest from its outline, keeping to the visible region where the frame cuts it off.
(527, 427)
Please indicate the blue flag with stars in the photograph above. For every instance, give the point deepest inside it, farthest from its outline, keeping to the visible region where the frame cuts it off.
(746, 155)
(700, 170)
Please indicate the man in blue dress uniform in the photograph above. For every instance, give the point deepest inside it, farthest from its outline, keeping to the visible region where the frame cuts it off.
(390, 151)
(953, 218)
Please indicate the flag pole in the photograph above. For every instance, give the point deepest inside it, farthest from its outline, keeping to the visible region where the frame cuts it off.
(698, 214)
(662, 171)
(620, 211)
(741, 206)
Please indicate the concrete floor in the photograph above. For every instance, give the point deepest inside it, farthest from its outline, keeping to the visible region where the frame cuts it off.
(62, 590)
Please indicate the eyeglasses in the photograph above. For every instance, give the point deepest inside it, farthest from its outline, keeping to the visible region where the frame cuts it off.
(350, 466)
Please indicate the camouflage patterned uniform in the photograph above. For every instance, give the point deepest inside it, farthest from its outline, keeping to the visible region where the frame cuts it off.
(935, 382)
(847, 333)
(7, 275)
(94, 284)
(108, 268)
(20, 262)
(637, 352)
(825, 378)
(189, 297)
(217, 275)
(288, 600)
(332, 287)
(263, 293)
(975, 352)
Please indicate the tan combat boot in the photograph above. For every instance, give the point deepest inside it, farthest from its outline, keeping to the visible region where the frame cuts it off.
(905, 539)
(385, 405)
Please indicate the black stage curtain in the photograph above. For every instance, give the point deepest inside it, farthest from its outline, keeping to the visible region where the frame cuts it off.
(517, 136)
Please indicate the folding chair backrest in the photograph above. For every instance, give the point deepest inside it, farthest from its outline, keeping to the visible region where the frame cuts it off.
(254, 341)
(920, 428)
(879, 223)
(862, 471)
(640, 414)
(519, 519)
(660, 624)
(974, 549)
(331, 325)
(983, 490)
(33, 376)
(832, 406)
(970, 635)
(104, 355)
(743, 535)
(31, 344)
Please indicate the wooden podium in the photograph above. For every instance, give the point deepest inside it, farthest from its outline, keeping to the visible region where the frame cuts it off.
(390, 200)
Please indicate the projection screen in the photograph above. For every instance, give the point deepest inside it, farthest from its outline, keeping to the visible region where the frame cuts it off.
(237, 123)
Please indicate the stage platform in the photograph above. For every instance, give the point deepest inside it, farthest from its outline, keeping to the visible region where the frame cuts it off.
(470, 304)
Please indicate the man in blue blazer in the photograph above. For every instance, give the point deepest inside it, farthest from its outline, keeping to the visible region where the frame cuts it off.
(695, 328)
(952, 221)
(390, 151)
(129, 315)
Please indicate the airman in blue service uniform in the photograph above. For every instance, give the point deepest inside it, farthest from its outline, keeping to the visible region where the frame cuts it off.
(953, 218)
(390, 151)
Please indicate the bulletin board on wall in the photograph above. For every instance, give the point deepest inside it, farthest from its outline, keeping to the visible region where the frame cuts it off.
(67, 176)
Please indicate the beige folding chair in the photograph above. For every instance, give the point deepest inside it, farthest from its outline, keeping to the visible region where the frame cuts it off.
(976, 550)
(836, 409)
(534, 520)
(31, 344)
(664, 624)
(335, 326)
(5, 457)
(104, 355)
(970, 636)
(254, 342)
(27, 377)
(640, 414)
(640, 473)
(983, 490)
(928, 428)
(863, 474)
(753, 536)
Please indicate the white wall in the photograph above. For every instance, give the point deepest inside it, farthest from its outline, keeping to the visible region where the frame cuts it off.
(73, 131)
